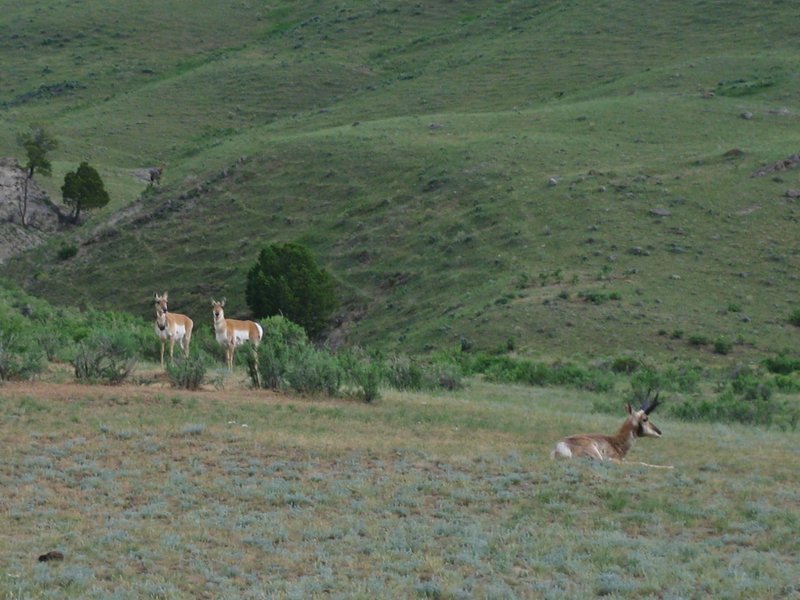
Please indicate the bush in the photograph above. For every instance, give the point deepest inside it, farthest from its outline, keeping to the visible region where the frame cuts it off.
(405, 374)
(782, 364)
(52, 343)
(794, 318)
(681, 378)
(67, 251)
(18, 361)
(787, 384)
(698, 339)
(750, 386)
(626, 364)
(314, 371)
(729, 407)
(747, 397)
(527, 372)
(187, 373)
(281, 344)
(366, 375)
(446, 376)
(644, 383)
(722, 346)
(106, 357)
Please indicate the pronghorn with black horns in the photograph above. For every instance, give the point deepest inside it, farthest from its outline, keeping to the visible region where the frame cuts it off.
(171, 326)
(613, 447)
(231, 333)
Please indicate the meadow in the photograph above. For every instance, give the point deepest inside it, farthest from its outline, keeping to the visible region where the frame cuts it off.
(154, 492)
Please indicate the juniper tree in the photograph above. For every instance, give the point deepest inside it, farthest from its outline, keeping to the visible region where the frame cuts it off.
(83, 189)
(286, 280)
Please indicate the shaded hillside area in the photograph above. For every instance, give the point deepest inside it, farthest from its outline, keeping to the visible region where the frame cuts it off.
(565, 178)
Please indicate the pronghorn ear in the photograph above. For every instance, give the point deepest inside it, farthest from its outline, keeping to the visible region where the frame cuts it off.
(222, 303)
(213, 302)
(628, 409)
(165, 295)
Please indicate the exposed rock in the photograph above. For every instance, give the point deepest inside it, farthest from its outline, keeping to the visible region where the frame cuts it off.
(746, 115)
(660, 212)
(40, 212)
(42, 216)
(793, 193)
(782, 165)
(780, 112)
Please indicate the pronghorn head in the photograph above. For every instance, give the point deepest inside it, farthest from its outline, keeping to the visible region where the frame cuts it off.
(640, 419)
(216, 308)
(160, 302)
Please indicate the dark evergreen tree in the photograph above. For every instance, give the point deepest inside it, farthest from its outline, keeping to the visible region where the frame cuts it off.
(83, 189)
(286, 280)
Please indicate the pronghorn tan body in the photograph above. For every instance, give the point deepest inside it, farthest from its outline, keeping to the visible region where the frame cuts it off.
(171, 327)
(231, 333)
(611, 447)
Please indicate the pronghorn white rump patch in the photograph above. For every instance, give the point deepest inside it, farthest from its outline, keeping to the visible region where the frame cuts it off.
(562, 449)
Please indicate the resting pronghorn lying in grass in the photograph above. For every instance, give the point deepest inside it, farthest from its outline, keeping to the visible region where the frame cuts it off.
(172, 327)
(612, 447)
(231, 333)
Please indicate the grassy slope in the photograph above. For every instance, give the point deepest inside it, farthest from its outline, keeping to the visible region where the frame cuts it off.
(238, 494)
(410, 147)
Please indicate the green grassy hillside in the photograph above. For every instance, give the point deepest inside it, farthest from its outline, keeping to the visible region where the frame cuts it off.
(411, 146)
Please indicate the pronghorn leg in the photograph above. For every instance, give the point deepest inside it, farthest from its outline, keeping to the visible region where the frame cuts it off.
(162, 354)
(171, 348)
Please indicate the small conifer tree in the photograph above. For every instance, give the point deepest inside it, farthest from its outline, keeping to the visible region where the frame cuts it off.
(286, 280)
(83, 189)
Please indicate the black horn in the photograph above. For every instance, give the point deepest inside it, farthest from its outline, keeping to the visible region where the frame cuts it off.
(651, 404)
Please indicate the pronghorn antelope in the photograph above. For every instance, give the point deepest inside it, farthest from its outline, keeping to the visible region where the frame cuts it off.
(231, 333)
(172, 327)
(612, 447)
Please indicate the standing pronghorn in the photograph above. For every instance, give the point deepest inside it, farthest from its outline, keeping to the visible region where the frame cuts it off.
(172, 327)
(231, 333)
(612, 447)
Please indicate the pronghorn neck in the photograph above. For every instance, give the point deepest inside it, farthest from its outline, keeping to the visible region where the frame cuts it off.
(161, 318)
(623, 440)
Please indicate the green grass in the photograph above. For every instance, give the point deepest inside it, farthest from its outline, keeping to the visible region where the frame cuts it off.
(410, 147)
(243, 494)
